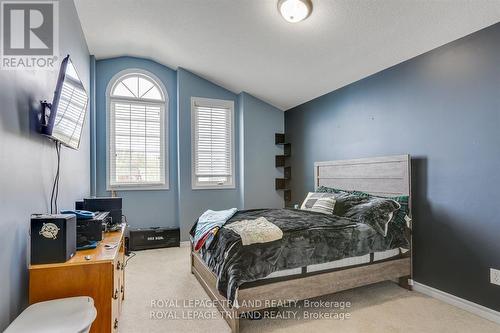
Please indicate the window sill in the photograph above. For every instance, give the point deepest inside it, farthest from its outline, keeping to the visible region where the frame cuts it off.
(213, 187)
(120, 188)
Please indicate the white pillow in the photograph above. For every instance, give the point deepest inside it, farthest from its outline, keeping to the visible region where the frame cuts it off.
(312, 197)
(324, 206)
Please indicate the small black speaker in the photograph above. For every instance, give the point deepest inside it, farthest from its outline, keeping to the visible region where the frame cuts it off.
(113, 205)
(90, 230)
(53, 238)
(80, 205)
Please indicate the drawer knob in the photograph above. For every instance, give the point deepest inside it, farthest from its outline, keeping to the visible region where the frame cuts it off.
(115, 295)
(118, 265)
(115, 326)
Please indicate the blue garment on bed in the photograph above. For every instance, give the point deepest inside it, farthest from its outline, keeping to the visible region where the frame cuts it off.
(211, 219)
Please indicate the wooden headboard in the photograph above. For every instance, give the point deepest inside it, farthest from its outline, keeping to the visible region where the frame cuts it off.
(383, 176)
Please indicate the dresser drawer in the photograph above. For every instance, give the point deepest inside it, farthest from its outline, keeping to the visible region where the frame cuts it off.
(98, 273)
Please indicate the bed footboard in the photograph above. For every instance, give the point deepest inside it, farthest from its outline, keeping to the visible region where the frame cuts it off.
(299, 288)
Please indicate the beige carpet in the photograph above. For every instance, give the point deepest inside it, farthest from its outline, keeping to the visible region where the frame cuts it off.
(163, 276)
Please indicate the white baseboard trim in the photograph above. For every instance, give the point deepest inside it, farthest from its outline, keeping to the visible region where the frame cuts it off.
(185, 244)
(461, 303)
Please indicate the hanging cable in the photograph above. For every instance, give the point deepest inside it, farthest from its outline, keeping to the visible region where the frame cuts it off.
(58, 176)
(55, 186)
(131, 255)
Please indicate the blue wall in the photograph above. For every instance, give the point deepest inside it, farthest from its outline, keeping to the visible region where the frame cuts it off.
(255, 125)
(28, 161)
(260, 121)
(443, 108)
(194, 202)
(92, 121)
(142, 208)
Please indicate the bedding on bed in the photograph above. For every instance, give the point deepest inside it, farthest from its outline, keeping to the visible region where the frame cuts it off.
(376, 212)
(399, 226)
(308, 238)
(256, 231)
(208, 225)
(313, 197)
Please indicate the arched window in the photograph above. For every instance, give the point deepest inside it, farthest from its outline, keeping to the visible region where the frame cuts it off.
(136, 132)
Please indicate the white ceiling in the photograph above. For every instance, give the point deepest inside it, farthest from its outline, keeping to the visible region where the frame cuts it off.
(245, 45)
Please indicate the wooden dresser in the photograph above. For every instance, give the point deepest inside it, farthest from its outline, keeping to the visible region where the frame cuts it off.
(100, 277)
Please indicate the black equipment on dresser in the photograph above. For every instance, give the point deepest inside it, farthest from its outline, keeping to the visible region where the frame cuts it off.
(80, 205)
(53, 238)
(113, 205)
(90, 230)
(153, 238)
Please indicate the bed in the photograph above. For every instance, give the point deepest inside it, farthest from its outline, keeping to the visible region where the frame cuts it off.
(387, 176)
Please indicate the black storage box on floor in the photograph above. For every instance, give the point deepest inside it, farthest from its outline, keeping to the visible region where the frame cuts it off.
(53, 238)
(153, 238)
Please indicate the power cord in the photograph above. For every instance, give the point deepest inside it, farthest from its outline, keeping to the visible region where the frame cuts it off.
(55, 187)
(58, 175)
(130, 256)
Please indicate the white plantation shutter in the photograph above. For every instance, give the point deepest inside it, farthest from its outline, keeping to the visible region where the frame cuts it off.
(212, 131)
(136, 135)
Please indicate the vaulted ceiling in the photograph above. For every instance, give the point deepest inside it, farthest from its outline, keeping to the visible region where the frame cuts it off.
(246, 45)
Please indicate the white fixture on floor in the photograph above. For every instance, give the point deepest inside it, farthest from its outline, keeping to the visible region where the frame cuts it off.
(495, 276)
(65, 315)
(295, 10)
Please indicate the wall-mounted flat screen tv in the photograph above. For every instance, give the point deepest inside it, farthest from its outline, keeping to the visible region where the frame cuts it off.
(65, 117)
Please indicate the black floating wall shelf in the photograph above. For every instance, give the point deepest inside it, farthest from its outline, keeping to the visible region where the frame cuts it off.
(287, 194)
(280, 161)
(281, 184)
(279, 138)
(287, 172)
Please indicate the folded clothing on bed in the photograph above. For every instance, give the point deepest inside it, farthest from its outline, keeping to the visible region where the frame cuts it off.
(208, 224)
(256, 231)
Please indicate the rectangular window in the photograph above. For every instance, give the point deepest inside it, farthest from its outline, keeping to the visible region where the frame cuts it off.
(212, 131)
(137, 145)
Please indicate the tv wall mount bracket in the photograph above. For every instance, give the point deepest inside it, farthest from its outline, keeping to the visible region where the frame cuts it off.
(45, 115)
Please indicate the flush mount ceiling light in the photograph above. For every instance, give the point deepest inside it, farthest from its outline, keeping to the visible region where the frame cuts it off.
(295, 10)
